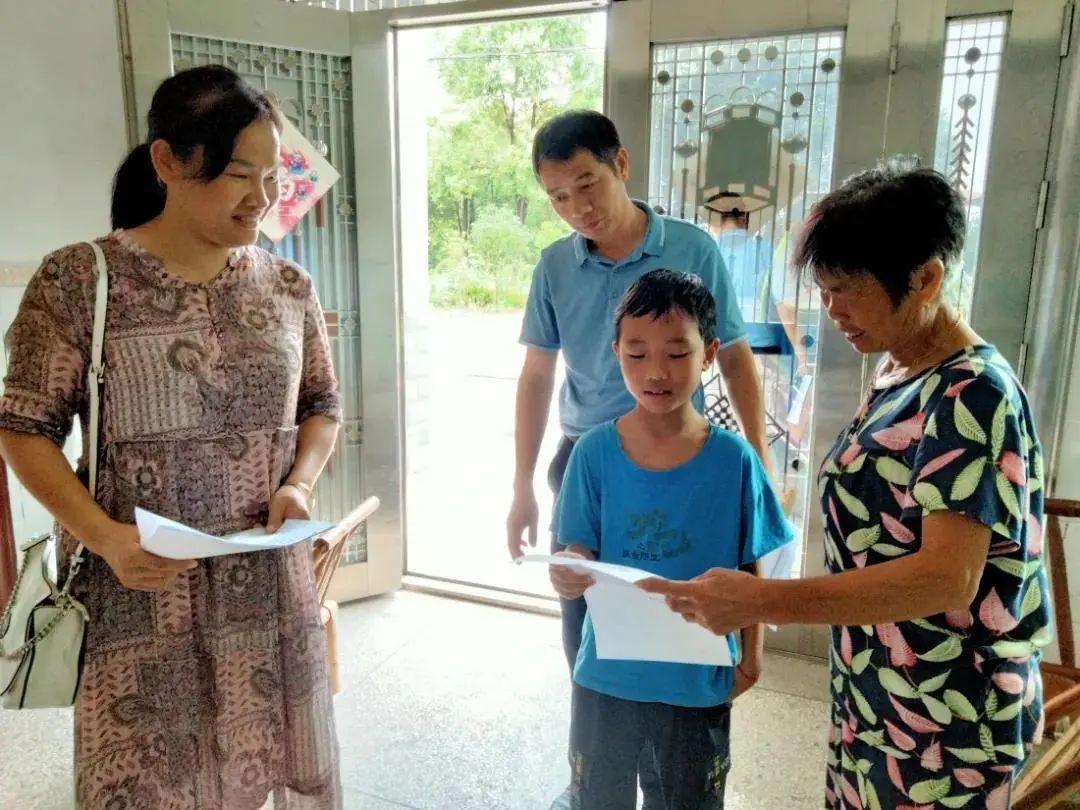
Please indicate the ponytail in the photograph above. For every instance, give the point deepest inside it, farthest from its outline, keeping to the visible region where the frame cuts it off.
(199, 113)
(137, 196)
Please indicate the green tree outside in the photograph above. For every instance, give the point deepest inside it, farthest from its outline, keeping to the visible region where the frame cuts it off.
(488, 217)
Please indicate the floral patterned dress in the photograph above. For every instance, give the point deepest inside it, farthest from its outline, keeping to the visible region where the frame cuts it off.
(213, 692)
(938, 712)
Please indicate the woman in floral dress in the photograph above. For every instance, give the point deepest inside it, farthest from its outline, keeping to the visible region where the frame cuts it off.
(205, 683)
(933, 504)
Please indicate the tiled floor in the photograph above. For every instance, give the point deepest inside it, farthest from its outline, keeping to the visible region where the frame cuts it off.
(457, 706)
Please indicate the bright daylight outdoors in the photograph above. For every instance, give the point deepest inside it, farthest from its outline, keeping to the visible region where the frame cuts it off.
(474, 221)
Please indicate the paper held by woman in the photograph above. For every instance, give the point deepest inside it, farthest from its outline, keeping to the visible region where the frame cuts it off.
(632, 625)
(167, 538)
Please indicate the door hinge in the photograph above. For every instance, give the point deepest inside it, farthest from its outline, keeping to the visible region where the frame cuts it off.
(1040, 210)
(1066, 28)
(894, 47)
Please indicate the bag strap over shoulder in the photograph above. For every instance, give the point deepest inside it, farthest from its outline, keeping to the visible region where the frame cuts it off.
(94, 383)
(96, 374)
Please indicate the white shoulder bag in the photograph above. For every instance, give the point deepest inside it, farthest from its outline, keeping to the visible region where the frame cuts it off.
(43, 628)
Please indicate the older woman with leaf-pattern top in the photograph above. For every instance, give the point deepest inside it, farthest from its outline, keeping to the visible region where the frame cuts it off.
(933, 502)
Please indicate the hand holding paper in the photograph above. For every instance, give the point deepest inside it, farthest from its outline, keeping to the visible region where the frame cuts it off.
(721, 600)
(632, 625)
(133, 566)
(571, 582)
(167, 538)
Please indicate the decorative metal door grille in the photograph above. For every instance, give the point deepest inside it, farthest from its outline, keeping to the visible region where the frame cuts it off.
(969, 84)
(776, 97)
(749, 125)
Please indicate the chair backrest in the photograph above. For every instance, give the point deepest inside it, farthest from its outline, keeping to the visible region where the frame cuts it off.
(1057, 508)
(329, 547)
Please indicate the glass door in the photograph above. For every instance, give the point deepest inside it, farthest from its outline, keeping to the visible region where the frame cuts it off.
(337, 74)
(742, 143)
(753, 117)
(470, 97)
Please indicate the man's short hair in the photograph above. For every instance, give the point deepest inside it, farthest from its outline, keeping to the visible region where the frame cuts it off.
(560, 137)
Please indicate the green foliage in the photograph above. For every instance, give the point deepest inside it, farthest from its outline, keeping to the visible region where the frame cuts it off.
(488, 217)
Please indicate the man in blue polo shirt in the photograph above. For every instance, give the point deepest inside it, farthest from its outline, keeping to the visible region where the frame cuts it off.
(577, 285)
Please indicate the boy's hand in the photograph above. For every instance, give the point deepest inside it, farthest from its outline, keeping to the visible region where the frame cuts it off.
(747, 674)
(570, 584)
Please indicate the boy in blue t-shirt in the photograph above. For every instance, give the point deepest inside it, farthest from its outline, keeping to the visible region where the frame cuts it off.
(663, 490)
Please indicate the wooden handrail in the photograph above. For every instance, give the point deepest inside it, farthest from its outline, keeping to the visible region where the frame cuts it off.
(1063, 704)
(1052, 791)
(1056, 773)
(1055, 509)
(1062, 507)
(352, 520)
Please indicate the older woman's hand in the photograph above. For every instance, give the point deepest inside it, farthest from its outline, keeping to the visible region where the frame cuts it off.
(720, 600)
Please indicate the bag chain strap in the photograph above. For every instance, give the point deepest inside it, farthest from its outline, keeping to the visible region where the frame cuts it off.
(63, 601)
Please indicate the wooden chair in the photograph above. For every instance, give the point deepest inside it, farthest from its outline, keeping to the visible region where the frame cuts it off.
(1055, 774)
(328, 549)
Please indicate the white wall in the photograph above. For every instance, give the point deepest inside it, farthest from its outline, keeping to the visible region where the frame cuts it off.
(63, 132)
(62, 136)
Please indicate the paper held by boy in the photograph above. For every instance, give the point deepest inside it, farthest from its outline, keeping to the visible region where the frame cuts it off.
(632, 625)
(167, 538)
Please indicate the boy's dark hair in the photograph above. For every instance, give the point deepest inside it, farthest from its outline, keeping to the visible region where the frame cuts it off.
(885, 222)
(658, 292)
(198, 112)
(560, 137)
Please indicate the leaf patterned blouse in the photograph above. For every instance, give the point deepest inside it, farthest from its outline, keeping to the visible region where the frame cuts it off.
(939, 711)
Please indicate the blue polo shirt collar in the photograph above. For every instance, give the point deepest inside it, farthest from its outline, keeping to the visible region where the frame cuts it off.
(651, 245)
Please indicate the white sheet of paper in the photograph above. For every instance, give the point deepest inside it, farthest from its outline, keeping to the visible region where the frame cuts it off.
(783, 562)
(167, 538)
(632, 625)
